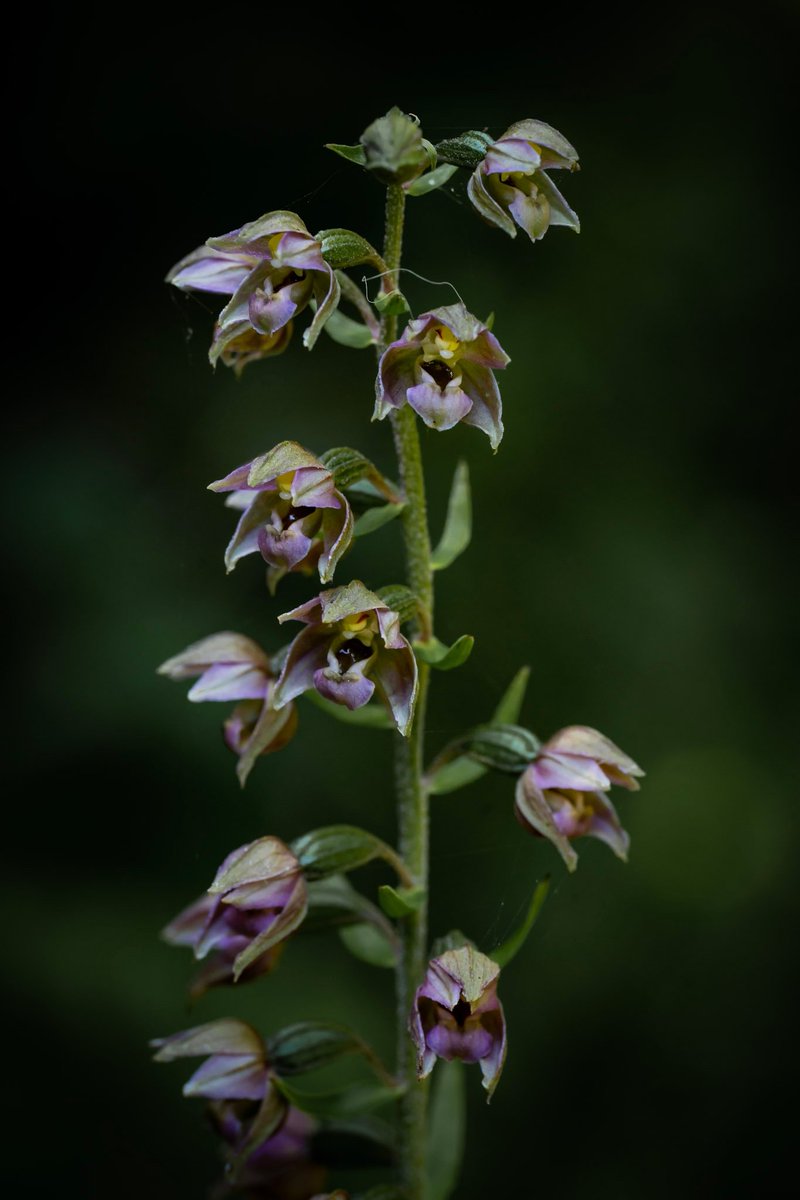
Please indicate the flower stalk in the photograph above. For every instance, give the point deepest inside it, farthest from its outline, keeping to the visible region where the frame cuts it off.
(412, 796)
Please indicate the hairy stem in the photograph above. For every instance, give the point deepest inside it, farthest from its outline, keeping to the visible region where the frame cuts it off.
(412, 798)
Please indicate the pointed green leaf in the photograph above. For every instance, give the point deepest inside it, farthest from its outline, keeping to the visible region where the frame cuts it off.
(375, 518)
(345, 1102)
(400, 902)
(371, 716)
(442, 657)
(347, 332)
(510, 706)
(354, 154)
(366, 942)
(458, 525)
(504, 953)
(431, 180)
(446, 1131)
(454, 775)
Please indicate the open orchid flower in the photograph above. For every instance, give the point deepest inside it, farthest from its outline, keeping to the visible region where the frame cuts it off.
(281, 1168)
(229, 666)
(457, 1014)
(272, 269)
(351, 646)
(256, 901)
(510, 188)
(291, 512)
(562, 793)
(443, 367)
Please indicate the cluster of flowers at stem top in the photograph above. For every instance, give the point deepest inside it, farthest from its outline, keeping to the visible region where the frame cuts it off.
(356, 656)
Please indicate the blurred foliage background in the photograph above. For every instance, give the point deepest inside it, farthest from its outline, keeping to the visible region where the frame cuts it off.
(632, 544)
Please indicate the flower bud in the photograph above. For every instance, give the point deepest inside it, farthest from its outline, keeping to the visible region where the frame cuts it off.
(394, 149)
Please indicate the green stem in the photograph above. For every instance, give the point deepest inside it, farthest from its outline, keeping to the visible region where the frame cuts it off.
(412, 797)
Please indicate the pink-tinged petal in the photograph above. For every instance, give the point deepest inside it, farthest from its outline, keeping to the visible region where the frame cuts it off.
(255, 236)
(226, 1036)
(337, 534)
(246, 535)
(312, 487)
(439, 409)
(269, 312)
(301, 252)
(229, 681)
(396, 675)
(568, 771)
(352, 690)
(224, 647)
(289, 919)
(287, 458)
(485, 350)
(474, 974)
(239, 501)
(605, 825)
(228, 1077)
(241, 345)
(531, 212)
(492, 1064)
(560, 211)
(187, 928)
(308, 653)
(590, 743)
(511, 154)
(389, 625)
(327, 293)
(236, 313)
(234, 481)
(265, 858)
(468, 1045)
(273, 729)
(310, 612)
(554, 148)
(207, 270)
(486, 205)
(533, 812)
(397, 372)
(486, 413)
(284, 548)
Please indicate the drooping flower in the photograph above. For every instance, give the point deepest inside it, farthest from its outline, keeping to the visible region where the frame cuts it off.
(258, 898)
(281, 1168)
(561, 794)
(510, 187)
(232, 667)
(351, 646)
(457, 1014)
(249, 346)
(443, 366)
(272, 269)
(292, 513)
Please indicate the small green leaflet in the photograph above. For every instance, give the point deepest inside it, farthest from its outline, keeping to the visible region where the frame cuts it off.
(458, 524)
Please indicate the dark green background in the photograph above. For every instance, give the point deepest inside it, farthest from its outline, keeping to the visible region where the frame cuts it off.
(632, 543)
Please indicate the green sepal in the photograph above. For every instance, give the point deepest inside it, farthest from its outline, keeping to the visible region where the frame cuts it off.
(458, 523)
(354, 154)
(466, 150)
(510, 705)
(312, 1045)
(343, 248)
(336, 849)
(371, 716)
(442, 657)
(400, 902)
(454, 775)
(347, 332)
(502, 747)
(349, 466)
(431, 180)
(392, 304)
(401, 600)
(369, 944)
(345, 1102)
(504, 953)
(376, 518)
(446, 1131)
